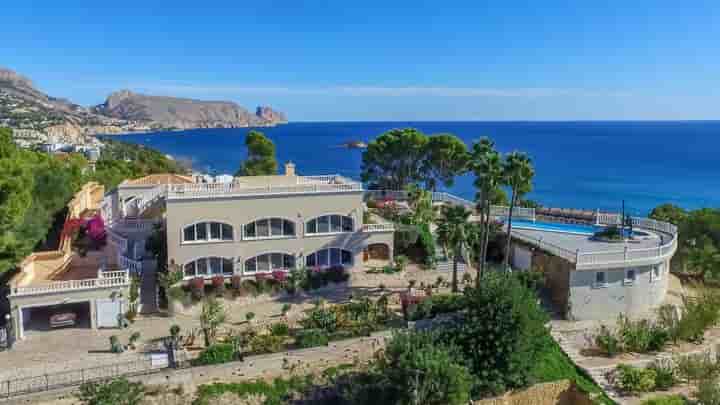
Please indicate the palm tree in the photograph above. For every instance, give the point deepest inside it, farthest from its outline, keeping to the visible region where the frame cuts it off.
(487, 166)
(452, 234)
(518, 174)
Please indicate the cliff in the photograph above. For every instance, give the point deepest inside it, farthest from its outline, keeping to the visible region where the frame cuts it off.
(184, 113)
(30, 111)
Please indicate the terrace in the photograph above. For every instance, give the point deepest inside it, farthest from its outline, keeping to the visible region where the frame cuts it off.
(287, 184)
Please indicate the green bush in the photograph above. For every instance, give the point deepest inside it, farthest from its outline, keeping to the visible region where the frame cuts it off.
(607, 342)
(437, 304)
(697, 367)
(279, 329)
(119, 391)
(665, 377)
(312, 338)
(426, 243)
(275, 393)
(708, 392)
(641, 336)
(665, 400)
(216, 354)
(634, 380)
(321, 317)
(424, 371)
(267, 343)
(500, 334)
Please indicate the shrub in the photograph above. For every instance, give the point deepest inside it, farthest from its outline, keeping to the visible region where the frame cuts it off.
(321, 317)
(401, 262)
(119, 391)
(607, 342)
(312, 338)
(426, 244)
(133, 339)
(216, 354)
(641, 336)
(501, 332)
(665, 400)
(437, 304)
(197, 288)
(634, 380)
(249, 316)
(218, 283)
(115, 346)
(176, 293)
(424, 371)
(697, 367)
(267, 343)
(279, 329)
(285, 309)
(664, 374)
(708, 392)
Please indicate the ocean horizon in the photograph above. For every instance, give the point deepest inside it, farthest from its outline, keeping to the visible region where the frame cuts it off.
(579, 164)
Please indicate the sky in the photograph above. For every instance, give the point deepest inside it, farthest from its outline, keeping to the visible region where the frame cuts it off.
(381, 60)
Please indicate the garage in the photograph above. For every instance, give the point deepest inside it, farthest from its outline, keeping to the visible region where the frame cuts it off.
(54, 317)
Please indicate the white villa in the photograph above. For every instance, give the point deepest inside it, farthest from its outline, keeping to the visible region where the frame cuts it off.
(264, 224)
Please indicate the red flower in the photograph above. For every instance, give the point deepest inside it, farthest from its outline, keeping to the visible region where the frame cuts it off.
(279, 275)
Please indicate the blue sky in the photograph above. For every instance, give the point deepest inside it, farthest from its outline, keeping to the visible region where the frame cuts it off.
(388, 60)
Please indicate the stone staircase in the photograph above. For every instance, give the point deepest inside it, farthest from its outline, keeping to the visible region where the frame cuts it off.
(598, 374)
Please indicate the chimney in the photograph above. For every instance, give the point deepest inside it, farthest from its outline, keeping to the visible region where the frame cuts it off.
(290, 169)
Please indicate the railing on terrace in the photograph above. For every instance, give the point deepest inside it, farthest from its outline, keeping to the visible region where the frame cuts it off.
(118, 240)
(518, 212)
(134, 266)
(385, 227)
(547, 246)
(72, 285)
(180, 191)
(134, 224)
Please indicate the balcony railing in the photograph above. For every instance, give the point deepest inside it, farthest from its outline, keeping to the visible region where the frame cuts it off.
(187, 191)
(113, 279)
(384, 227)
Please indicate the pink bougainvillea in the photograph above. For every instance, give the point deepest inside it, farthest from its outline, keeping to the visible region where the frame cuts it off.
(279, 276)
(96, 228)
(72, 227)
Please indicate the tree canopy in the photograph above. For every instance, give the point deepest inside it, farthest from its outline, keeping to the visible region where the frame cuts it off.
(35, 187)
(261, 159)
(400, 157)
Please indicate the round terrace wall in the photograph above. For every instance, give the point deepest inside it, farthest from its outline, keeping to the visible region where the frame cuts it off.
(591, 299)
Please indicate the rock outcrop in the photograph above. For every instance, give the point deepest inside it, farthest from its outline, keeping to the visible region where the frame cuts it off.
(184, 113)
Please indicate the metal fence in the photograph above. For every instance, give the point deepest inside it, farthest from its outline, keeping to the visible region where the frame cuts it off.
(72, 378)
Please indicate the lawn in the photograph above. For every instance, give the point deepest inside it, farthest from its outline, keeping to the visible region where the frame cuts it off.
(555, 365)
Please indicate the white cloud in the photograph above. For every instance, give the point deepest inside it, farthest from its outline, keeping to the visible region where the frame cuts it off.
(371, 91)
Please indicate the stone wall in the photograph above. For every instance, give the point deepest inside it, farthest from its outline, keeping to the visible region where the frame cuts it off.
(554, 393)
(557, 274)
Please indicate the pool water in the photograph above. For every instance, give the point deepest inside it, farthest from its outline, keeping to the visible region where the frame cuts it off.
(577, 229)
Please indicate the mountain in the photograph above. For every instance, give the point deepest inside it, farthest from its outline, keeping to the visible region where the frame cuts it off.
(184, 113)
(36, 117)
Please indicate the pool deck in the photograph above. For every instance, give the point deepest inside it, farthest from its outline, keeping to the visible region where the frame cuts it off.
(573, 242)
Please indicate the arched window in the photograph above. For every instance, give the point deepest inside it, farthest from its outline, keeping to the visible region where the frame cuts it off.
(329, 224)
(208, 267)
(270, 228)
(208, 232)
(269, 262)
(329, 257)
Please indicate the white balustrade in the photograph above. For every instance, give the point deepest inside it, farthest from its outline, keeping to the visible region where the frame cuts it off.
(114, 279)
(134, 266)
(180, 191)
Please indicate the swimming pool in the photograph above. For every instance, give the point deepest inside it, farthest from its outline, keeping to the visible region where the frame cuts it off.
(576, 229)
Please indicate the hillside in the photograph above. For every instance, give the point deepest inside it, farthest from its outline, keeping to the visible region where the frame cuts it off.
(183, 113)
(36, 117)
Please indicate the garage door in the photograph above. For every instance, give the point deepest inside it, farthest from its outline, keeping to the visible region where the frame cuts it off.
(108, 313)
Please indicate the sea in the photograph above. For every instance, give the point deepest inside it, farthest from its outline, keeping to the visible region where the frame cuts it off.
(588, 165)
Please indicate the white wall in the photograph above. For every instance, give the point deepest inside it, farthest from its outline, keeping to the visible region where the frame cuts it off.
(590, 301)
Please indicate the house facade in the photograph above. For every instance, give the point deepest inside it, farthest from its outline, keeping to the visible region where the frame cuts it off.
(262, 224)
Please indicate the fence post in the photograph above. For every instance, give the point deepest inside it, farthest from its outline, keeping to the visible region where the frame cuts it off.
(47, 383)
(8, 388)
